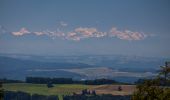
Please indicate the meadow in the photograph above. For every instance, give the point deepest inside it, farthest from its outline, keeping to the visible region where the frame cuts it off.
(68, 89)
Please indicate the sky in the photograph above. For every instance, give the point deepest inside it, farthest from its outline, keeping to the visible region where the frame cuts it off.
(85, 27)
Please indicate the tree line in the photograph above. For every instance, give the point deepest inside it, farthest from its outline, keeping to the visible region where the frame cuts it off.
(43, 80)
(4, 80)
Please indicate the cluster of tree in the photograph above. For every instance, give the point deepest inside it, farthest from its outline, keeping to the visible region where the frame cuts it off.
(11, 95)
(50, 85)
(96, 97)
(87, 92)
(43, 80)
(91, 95)
(4, 80)
(156, 88)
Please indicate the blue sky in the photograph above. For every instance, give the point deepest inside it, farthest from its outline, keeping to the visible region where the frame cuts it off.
(78, 27)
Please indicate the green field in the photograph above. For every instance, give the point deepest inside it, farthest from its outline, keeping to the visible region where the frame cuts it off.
(67, 89)
(59, 89)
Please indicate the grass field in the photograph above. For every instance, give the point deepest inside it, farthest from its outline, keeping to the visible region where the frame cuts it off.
(68, 89)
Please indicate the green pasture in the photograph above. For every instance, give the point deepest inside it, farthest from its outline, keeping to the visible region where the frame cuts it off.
(58, 89)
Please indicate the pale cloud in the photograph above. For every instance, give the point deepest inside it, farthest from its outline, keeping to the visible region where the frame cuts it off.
(39, 33)
(138, 36)
(73, 36)
(57, 34)
(52, 33)
(76, 38)
(127, 34)
(85, 32)
(82, 33)
(100, 34)
(22, 31)
(63, 24)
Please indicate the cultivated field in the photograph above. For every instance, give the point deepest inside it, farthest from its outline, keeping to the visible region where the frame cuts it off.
(68, 89)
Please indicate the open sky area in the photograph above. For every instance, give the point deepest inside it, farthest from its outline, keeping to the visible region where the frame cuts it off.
(85, 27)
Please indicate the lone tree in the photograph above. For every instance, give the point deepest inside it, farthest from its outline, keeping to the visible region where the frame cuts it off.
(119, 88)
(165, 72)
(50, 85)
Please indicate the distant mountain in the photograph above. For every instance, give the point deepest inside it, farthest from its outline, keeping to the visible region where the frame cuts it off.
(18, 66)
(6, 62)
(19, 69)
(118, 62)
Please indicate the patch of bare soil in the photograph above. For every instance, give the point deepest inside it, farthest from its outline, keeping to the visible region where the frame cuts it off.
(113, 89)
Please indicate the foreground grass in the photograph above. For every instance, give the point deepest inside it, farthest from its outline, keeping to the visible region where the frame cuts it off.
(59, 89)
(67, 89)
(63, 89)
